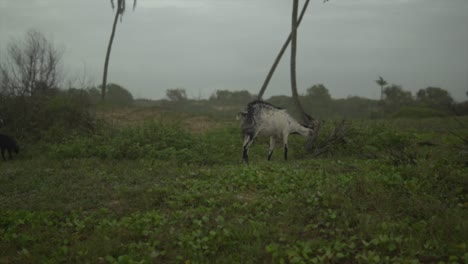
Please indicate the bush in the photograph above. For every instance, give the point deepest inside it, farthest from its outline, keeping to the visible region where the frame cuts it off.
(50, 118)
(117, 95)
(378, 141)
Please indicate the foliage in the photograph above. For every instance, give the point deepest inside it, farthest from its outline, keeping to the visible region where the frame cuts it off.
(360, 140)
(65, 114)
(47, 117)
(157, 193)
(152, 140)
(238, 97)
(434, 97)
(118, 95)
(353, 107)
(121, 6)
(396, 97)
(460, 109)
(333, 210)
(176, 95)
(319, 92)
(224, 105)
(94, 95)
(281, 101)
(419, 112)
(32, 66)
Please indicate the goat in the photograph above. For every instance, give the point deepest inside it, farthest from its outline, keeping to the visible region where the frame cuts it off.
(9, 144)
(262, 118)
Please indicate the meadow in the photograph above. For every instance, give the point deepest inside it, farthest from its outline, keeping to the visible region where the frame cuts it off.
(171, 188)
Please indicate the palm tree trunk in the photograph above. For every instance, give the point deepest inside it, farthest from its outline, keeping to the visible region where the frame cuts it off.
(109, 47)
(280, 54)
(381, 92)
(293, 61)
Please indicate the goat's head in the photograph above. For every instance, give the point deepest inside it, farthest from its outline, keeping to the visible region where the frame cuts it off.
(315, 127)
(308, 128)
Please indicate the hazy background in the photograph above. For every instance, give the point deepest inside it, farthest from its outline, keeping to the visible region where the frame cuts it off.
(206, 45)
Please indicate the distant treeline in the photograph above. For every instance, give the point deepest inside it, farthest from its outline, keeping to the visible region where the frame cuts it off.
(36, 101)
(396, 102)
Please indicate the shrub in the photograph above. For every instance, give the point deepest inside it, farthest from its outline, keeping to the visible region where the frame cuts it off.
(378, 141)
(46, 117)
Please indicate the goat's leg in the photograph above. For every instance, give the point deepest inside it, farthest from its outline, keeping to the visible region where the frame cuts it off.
(3, 154)
(248, 139)
(285, 151)
(9, 153)
(285, 144)
(272, 146)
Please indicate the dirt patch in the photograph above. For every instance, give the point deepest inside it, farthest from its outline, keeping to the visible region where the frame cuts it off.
(199, 124)
(132, 116)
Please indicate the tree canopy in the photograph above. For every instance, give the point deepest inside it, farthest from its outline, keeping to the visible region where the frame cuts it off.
(395, 97)
(116, 95)
(434, 97)
(319, 92)
(176, 95)
(232, 96)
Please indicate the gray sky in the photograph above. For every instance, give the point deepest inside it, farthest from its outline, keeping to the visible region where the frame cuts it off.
(205, 45)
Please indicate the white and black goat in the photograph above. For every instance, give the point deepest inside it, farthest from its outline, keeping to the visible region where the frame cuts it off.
(262, 118)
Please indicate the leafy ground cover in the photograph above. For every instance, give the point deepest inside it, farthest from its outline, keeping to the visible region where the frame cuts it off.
(156, 193)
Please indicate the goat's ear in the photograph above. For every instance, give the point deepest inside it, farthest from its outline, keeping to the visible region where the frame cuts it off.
(241, 115)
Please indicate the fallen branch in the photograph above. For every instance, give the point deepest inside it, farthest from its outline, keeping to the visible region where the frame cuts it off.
(336, 136)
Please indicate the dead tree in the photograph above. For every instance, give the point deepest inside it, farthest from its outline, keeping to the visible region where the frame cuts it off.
(31, 66)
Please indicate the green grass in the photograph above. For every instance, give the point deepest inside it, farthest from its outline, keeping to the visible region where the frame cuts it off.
(92, 200)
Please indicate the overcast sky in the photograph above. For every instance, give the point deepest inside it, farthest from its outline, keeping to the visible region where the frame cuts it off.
(206, 45)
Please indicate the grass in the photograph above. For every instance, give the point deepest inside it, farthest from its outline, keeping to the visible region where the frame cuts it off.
(419, 112)
(200, 205)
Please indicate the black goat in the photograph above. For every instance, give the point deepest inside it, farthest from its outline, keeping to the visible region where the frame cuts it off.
(9, 144)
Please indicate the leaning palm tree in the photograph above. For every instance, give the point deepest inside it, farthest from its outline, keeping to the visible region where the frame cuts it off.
(307, 119)
(292, 38)
(283, 49)
(381, 82)
(280, 54)
(295, 94)
(119, 11)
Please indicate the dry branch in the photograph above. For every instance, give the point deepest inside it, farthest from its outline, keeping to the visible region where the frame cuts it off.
(337, 136)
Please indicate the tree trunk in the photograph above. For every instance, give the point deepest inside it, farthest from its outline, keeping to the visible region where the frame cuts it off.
(293, 62)
(381, 92)
(280, 54)
(109, 47)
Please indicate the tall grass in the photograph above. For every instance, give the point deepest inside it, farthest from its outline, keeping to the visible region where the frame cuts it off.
(158, 193)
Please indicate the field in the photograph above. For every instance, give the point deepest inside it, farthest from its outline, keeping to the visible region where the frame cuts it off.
(170, 188)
